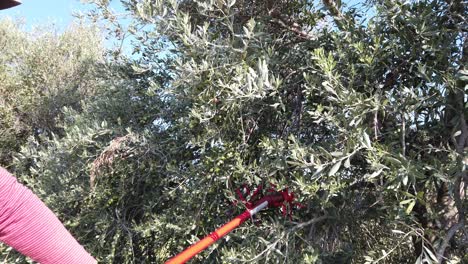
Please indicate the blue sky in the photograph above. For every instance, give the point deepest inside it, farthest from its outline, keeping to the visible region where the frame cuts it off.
(58, 12)
(55, 12)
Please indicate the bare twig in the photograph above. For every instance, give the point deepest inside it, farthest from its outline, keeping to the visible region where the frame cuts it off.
(403, 133)
(310, 222)
(294, 28)
(376, 125)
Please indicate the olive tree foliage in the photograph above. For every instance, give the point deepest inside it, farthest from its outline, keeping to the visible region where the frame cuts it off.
(66, 169)
(359, 110)
(98, 174)
(41, 71)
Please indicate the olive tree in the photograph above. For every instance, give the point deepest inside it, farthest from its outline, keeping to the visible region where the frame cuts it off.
(359, 109)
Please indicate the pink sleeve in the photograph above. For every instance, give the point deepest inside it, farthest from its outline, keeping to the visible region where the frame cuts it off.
(27, 225)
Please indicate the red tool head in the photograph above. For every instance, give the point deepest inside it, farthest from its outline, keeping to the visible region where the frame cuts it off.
(283, 199)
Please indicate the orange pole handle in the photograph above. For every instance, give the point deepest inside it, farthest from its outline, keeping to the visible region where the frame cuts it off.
(196, 248)
(271, 200)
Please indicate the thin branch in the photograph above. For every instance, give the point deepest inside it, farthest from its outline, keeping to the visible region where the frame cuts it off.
(376, 125)
(264, 251)
(294, 28)
(463, 138)
(310, 222)
(403, 133)
(447, 238)
(458, 193)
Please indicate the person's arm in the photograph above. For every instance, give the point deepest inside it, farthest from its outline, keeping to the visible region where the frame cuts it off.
(30, 227)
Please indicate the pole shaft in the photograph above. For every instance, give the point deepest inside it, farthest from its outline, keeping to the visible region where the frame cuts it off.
(196, 248)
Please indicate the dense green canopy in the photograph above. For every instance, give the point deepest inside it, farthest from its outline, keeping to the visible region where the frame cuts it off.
(360, 108)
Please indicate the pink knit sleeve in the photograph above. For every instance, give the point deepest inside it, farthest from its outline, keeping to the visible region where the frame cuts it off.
(27, 225)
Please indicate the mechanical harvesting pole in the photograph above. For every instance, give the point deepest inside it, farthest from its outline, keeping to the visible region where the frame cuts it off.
(275, 200)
